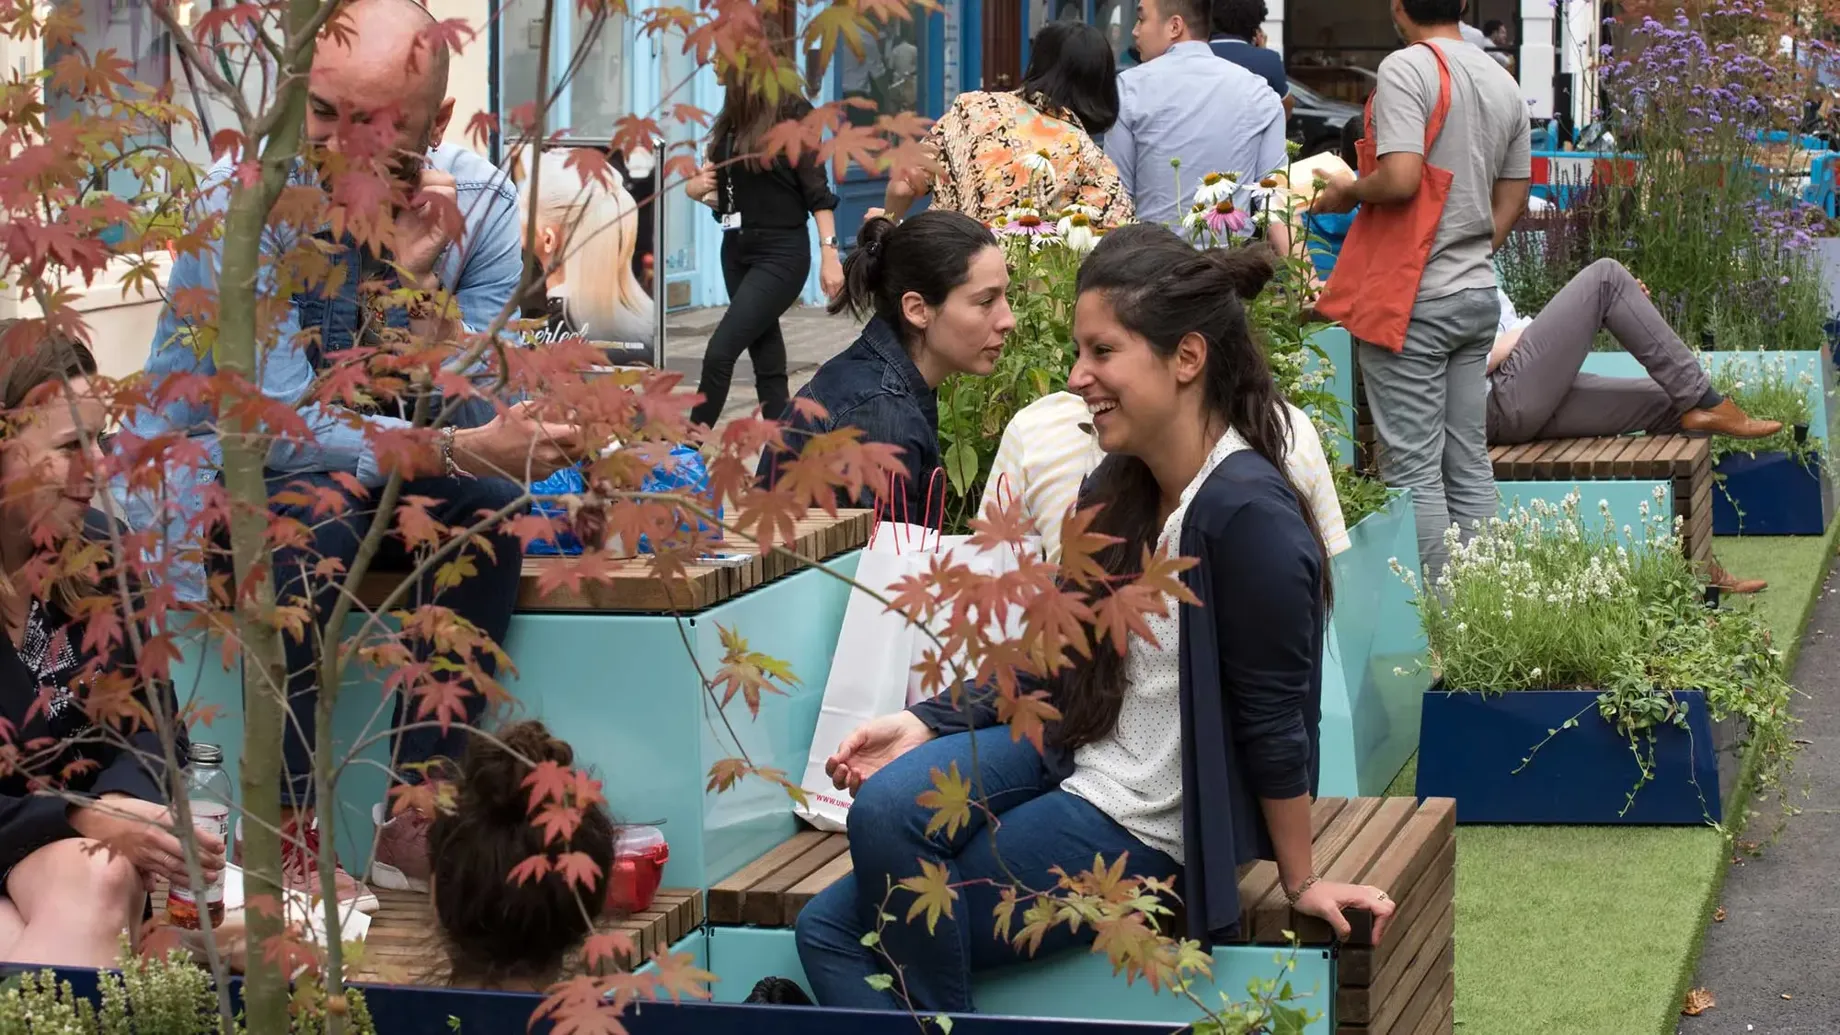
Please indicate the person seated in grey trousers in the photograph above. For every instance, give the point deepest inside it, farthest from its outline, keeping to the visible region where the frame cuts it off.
(1536, 389)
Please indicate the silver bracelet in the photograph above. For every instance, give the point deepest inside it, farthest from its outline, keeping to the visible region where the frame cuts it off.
(1293, 896)
(448, 467)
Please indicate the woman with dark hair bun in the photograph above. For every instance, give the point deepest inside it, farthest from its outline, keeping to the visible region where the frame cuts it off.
(1193, 752)
(1032, 148)
(935, 289)
(502, 933)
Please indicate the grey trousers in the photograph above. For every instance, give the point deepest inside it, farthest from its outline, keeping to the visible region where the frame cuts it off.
(1428, 404)
(1538, 392)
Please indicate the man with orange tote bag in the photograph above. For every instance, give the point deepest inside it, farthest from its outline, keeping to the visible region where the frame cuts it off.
(1444, 172)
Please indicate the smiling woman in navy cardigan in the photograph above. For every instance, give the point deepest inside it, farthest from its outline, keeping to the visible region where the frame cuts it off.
(1221, 709)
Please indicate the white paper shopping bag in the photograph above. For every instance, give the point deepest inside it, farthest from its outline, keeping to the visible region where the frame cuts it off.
(869, 672)
(872, 673)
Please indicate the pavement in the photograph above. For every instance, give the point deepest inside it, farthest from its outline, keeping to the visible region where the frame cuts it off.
(812, 336)
(1773, 964)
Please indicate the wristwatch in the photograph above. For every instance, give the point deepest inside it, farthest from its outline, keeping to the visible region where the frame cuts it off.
(829, 242)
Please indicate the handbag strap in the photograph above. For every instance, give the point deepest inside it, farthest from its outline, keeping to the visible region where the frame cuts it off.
(1434, 126)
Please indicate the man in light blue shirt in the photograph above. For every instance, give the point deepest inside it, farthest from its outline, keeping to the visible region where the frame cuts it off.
(1185, 102)
(384, 73)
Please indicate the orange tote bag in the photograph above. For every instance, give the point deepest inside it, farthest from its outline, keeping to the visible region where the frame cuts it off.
(1376, 277)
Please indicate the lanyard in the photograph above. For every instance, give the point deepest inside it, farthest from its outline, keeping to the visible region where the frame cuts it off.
(728, 178)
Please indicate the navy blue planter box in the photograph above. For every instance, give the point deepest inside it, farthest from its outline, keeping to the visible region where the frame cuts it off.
(1777, 494)
(1470, 744)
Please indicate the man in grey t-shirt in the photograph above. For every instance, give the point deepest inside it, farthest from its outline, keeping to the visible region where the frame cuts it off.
(1428, 399)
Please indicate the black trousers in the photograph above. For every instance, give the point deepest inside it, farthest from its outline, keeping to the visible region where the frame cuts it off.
(765, 270)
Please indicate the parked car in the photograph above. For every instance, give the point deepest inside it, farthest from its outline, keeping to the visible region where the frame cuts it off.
(1316, 121)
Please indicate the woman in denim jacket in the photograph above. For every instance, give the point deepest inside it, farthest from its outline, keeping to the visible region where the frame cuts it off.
(937, 287)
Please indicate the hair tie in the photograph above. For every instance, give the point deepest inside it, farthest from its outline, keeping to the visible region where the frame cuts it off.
(873, 248)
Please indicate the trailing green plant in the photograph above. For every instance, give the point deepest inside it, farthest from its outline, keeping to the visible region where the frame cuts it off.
(1545, 599)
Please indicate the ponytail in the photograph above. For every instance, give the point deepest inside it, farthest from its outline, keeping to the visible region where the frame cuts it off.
(927, 255)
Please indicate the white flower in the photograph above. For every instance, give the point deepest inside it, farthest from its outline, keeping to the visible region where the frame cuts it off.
(1077, 230)
(1215, 188)
(1037, 162)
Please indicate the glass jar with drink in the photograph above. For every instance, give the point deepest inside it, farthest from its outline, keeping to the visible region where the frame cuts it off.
(207, 789)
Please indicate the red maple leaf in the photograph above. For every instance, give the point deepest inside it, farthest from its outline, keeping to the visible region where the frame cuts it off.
(577, 870)
(534, 868)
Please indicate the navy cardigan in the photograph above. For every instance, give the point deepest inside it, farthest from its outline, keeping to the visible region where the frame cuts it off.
(1251, 689)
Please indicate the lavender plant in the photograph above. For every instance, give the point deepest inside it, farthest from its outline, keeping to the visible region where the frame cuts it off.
(1715, 225)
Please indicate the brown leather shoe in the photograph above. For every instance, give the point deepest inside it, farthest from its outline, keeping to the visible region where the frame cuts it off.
(1726, 419)
(1716, 575)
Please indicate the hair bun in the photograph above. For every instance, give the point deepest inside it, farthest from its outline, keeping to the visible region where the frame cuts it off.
(1248, 268)
(493, 777)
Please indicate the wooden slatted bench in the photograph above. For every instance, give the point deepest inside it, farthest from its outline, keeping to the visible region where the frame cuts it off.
(1681, 460)
(403, 948)
(1405, 847)
(632, 586)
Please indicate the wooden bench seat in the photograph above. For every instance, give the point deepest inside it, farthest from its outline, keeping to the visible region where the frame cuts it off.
(1404, 847)
(403, 947)
(631, 586)
(1684, 461)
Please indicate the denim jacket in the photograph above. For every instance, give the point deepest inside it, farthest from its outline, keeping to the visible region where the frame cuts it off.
(873, 385)
(481, 269)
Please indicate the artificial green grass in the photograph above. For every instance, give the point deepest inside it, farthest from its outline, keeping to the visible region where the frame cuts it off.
(1592, 930)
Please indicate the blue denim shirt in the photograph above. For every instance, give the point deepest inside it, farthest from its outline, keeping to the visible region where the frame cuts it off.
(873, 385)
(481, 269)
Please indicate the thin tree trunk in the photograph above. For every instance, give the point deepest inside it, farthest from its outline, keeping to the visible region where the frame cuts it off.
(245, 452)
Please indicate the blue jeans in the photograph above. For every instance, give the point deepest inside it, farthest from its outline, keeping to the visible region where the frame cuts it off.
(1039, 828)
(485, 598)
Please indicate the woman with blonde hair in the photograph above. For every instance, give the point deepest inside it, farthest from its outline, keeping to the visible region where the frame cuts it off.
(587, 228)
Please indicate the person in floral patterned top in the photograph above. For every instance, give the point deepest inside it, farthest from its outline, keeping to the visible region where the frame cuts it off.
(1034, 148)
(84, 822)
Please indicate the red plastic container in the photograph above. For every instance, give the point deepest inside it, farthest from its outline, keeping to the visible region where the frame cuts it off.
(639, 855)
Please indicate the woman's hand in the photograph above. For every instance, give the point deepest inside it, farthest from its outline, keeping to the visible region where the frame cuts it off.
(702, 186)
(873, 745)
(830, 274)
(1326, 900)
(143, 831)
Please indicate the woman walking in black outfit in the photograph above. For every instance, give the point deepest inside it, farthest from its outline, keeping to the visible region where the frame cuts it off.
(766, 254)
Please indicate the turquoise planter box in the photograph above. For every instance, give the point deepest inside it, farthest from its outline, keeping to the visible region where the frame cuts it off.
(1074, 986)
(1824, 422)
(623, 691)
(1339, 347)
(1370, 712)
(1625, 499)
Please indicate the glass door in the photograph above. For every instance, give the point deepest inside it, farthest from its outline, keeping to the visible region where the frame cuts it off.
(901, 69)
